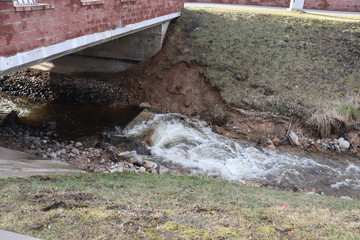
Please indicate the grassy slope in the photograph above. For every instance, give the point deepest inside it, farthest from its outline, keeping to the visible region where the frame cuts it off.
(287, 62)
(133, 206)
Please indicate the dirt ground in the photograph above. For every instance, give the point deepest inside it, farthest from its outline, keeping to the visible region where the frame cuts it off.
(182, 88)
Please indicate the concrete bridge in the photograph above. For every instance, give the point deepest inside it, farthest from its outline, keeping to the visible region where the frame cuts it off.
(32, 32)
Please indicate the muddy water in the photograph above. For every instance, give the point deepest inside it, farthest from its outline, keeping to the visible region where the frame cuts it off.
(177, 139)
(72, 121)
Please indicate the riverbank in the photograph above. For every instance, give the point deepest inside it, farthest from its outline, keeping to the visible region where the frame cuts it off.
(267, 70)
(135, 206)
(271, 72)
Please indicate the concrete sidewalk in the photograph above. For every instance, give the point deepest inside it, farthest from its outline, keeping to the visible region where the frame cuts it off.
(19, 164)
(222, 5)
(5, 235)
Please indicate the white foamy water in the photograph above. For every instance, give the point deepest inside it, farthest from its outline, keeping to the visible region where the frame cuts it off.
(181, 140)
(6, 106)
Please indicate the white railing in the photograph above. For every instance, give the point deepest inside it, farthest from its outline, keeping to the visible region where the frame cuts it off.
(24, 2)
(296, 4)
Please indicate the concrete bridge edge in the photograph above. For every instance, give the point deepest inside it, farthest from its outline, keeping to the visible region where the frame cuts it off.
(26, 59)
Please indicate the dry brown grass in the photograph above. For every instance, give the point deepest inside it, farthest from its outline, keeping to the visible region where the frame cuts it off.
(325, 121)
(133, 206)
(285, 62)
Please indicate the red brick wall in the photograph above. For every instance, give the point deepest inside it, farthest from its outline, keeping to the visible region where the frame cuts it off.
(25, 30)
(333, 5)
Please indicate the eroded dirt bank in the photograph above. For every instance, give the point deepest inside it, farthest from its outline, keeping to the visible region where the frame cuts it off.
(164, 86)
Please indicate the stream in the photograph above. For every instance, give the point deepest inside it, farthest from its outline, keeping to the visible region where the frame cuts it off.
(182, 141)
(72, 121)
(189, 142)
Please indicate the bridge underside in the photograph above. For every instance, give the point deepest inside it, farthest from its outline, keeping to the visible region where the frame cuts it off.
(113, 56)
(113, 50)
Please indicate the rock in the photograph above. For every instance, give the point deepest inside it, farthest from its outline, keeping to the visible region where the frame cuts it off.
(319, 149)
(343, 143)
(346, 197)
(354, 151)
(269, 142)
(233, 135)
(10, 118)
(293, 138)
(68, 147)
(149, 164)
(217, 129)
(137, 161)
(145, 105)
(143, 116)
(141, 148)
(121, 164)
(276, 141)
(337, 147)
(271, 147)
(60, 152)
(233, 146)
(78, 144)
(142, 169)
(75, 151)
(52, 155)
(117, 169)
(325, 145)
(120, 150)
(149, 142)
(163, 170)
(354, 138)
(215, 115)
(312, 193)
(112, 149)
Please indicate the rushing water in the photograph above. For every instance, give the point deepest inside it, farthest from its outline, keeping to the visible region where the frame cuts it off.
(177, 139)
(189, 142)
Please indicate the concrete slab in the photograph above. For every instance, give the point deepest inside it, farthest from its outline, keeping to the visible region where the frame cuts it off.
(70, 65)
(19, 164)
(5, 235)
(356, 14)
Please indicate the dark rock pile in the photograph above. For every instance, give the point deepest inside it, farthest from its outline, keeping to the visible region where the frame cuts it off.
(94, 154)
(44, 86)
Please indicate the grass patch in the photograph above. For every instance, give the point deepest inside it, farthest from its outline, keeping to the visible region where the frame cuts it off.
(133, 206)
(292, 63)
(348, 112)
